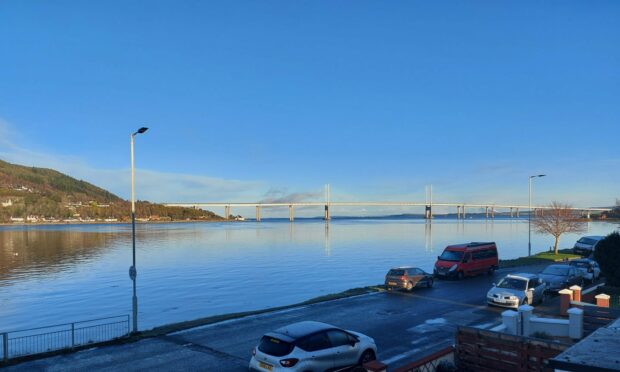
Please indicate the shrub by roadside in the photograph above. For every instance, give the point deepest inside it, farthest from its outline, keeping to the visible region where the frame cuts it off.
(607, 254)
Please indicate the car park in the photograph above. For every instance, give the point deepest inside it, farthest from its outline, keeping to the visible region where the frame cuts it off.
(560, 276)
(588, 267)
(586, 245)
(311, 346)
(517, 289)
(407, 278)
(459, 261)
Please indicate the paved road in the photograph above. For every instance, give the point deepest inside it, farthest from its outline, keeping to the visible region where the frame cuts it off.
(405, 326)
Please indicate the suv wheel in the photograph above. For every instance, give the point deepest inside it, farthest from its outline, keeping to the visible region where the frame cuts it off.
(367, 356)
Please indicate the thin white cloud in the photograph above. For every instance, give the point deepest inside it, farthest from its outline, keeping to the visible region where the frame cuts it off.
(150, 185)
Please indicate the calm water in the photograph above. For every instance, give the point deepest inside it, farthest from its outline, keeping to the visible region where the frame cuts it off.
(56, 274)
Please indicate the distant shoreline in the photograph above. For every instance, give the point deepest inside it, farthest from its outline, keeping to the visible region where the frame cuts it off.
(474, 217)
(105, 222)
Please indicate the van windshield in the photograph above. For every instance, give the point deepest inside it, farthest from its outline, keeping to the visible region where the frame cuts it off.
(455, 256)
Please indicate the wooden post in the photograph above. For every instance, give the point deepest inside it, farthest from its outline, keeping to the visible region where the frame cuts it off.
(602, 300)
(576, 293)
(566, 296)
(375, 366)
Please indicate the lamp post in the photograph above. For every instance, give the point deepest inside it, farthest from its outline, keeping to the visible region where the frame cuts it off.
(132, 269)
(529, 216)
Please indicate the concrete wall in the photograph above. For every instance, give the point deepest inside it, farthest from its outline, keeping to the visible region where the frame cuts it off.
(523, 323)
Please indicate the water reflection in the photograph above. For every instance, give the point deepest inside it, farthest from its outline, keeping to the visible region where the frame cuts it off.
(35, 252)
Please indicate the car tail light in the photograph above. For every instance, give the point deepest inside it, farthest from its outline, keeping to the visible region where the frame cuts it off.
(403, 278)
(290, 362)
(253, 351)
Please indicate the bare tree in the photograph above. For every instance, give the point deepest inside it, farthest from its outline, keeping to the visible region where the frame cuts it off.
(557, 220)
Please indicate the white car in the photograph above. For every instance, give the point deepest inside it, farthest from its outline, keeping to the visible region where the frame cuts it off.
(589, 268)
(311, 346)
(586, 245)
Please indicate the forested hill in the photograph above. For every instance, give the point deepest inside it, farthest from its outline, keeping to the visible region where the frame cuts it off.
(46, 195)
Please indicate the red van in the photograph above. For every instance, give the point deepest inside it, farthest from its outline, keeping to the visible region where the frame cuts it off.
(469, 259)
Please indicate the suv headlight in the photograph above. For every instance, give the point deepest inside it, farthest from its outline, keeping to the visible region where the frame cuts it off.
(453, 267)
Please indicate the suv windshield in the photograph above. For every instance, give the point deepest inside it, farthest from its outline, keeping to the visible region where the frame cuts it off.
(275, 347)
(587, 241)
(580, 264)
(451, 256)
(396, 272)
(556, 270)
(513, 283)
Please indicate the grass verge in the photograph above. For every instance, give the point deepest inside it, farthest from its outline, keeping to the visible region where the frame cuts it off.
(540, 258)
(175, 327)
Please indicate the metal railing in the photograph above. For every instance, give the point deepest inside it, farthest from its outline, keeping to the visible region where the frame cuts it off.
(62, 336)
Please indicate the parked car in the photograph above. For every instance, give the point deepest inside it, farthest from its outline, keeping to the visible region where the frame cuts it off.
(589, 269)
(311, 346)
(466, 260)
(517, 289)
(558, 277)
(586, 245)
(407, 278)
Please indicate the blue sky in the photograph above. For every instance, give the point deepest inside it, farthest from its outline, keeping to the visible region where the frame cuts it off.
(253, 100)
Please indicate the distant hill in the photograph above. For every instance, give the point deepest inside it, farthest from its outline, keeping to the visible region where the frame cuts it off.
(46, 195)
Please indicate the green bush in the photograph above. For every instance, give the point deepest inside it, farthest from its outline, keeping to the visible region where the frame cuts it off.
(607, 254)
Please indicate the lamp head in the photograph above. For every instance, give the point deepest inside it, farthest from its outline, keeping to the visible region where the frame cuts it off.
(141, 130)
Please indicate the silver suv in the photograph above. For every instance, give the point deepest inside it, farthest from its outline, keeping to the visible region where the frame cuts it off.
(586, 245)
(311, 346)
(517, 289)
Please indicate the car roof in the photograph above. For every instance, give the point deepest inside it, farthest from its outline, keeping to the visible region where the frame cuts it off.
(558, 265)
(471, 245)
(300, 329)
(522, 275)
(596, 237)
(403, 268)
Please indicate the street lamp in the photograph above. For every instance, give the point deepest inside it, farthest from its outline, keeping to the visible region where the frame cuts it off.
(529, 216)
(132, 269)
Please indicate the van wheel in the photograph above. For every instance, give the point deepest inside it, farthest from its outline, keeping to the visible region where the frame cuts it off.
(409, 286)
(460, 275)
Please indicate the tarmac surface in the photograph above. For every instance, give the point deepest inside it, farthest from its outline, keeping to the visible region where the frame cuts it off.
(405, 326)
